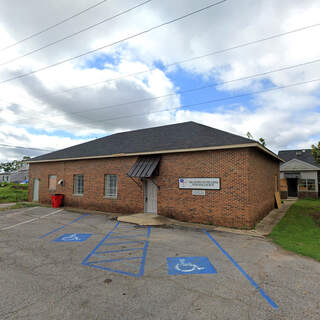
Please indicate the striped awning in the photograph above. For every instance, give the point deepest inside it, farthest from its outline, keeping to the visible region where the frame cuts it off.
(144, 167)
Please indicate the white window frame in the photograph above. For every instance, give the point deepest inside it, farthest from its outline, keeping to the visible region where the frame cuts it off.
(110, 192)
(78, 184)
(307, 185)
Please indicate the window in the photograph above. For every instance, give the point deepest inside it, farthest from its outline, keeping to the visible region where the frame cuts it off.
(52, 182)
(307, 185)
(303, 185)
(78, 184)
(110, 185)
(311, 185)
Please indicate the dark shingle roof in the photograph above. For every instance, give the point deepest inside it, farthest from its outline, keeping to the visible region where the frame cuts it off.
(187, 135)
(305, 156)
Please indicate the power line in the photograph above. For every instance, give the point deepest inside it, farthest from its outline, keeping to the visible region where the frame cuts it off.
(19, 147)
(114, 43)
(188, 106)
(187, 90)
(75, 33)
(211, 101)
(53, 26)
(184, 61)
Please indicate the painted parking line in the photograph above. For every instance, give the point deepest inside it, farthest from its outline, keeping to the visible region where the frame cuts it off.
(116, 257)
(11, 214)
(252, 282)
(59, 228)
(31, 220)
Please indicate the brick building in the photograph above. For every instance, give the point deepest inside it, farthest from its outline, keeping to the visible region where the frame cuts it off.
(300, 174)
(185, 171)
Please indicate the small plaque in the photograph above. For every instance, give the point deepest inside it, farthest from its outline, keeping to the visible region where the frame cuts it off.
(198, 192)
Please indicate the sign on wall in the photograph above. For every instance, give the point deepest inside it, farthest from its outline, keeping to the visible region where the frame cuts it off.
(198, 192)
(200, 183)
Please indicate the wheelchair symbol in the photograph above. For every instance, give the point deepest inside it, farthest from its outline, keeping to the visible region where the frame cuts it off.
(71, 237)
(184, 266)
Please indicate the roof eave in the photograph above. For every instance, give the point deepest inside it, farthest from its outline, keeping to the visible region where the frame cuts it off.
(234, 146)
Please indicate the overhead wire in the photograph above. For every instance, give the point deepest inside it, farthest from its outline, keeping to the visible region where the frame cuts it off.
(181, 92)
(211, 101)
(114, 43)
(182, 61)
(75, 33)
(20, 147)
(53, 26)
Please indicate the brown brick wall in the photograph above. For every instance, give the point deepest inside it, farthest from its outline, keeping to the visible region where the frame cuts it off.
(130, 197)
(226, 207)
(264, 181)
(240, 202)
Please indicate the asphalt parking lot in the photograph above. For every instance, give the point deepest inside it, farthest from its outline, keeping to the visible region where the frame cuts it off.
(56, 264)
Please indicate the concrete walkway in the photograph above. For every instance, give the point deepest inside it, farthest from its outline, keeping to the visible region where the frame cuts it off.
(147, 219)
(265, 226)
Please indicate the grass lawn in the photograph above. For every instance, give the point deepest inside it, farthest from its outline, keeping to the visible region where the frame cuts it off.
(299, 229)
(19, 205)
(13, 192)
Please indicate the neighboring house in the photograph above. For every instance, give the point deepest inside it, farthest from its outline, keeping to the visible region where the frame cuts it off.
(185, 171)
(20, 175)
(299, 174)
(4, 177)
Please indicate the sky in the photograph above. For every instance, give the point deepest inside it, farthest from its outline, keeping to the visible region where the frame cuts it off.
(142, 82)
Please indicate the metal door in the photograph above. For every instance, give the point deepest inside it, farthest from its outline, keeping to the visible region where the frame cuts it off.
(150, 197)
(36, 190)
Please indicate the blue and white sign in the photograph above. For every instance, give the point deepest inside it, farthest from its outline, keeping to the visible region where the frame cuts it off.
(73, 237)
(199, 183)
(190, 265)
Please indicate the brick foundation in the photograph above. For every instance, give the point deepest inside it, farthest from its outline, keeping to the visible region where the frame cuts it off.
(306, 195)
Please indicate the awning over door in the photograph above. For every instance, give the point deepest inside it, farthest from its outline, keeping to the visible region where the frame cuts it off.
(145, 167)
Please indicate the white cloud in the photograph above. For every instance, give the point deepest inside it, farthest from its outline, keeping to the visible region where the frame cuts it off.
(286, 118)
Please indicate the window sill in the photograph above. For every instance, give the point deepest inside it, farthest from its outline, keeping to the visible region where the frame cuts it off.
(111, 197)
(77, 194)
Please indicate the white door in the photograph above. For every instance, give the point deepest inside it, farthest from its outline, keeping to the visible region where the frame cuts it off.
(36, 190)
(150, 197)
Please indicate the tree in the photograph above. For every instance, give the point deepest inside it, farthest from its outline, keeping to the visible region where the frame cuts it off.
(13, 165)
(315, 150)
(261, 140)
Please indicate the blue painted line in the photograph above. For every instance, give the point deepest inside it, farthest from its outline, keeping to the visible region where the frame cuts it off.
(57, 229)
(271, 302)
(99, 244)
(144, 254)
(94, 264)
(123, 242)
(127, 237)
(113, 260)
(253, 283)
(122, 250)
(113, 270)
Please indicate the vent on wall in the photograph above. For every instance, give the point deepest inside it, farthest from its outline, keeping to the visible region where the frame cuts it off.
(298, 153)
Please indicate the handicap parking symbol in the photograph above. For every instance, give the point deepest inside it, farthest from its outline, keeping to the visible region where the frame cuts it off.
(190, 265)
(73, 237)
